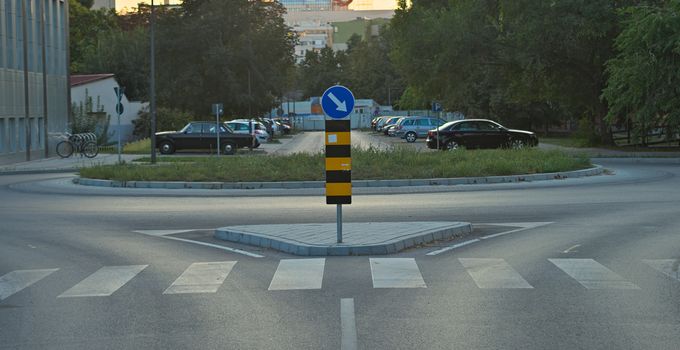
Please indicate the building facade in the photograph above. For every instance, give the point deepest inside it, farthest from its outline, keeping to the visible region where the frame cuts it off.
(32, 32)
(307, 5)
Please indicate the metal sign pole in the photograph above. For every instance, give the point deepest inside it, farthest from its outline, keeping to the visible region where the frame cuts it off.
(217, 129)
(339, 220)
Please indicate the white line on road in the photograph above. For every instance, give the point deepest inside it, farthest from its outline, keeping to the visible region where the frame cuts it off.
(104, 282)
(298, 274)
(493, 274)
(571, 249)
(669, 267)
(348, 326)
(396, 273)
(164, 233)
(592, 275)
(523, 226)
(205, 277)
(15, 281)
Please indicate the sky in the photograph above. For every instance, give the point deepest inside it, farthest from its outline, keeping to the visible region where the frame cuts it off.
(357, 5)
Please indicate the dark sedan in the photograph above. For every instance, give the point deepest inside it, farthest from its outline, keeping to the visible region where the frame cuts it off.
(201, 135)
(478, 133)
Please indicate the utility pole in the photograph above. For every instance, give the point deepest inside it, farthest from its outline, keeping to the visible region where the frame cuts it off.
(27, 119)
(152, 89)
(44, 78)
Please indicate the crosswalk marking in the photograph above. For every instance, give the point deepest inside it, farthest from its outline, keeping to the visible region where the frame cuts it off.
(205, 277)
(298, 274)
(493, 274)
(396, 273)
(669, 267)
(104, 282)
(592, 274)
(15, 281)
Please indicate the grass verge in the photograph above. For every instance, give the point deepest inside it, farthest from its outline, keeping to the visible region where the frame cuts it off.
(400, 163)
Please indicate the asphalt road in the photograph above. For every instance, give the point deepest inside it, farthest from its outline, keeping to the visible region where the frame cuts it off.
(591, 279)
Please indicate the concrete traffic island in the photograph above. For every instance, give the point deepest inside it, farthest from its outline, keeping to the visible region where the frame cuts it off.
(371, 238)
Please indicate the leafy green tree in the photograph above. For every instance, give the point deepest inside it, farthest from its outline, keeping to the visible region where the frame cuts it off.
(237, 52)
(320, 70)
(125, 54)
(85, 26)
(644, 79)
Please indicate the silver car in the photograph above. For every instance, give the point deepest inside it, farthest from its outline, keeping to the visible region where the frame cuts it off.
(412, 128)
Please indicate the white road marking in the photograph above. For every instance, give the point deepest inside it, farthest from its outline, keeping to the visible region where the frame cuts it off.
(523, 226)
(396, 273)
(571, 249)
(165, 233)
(451, 247)
(348, 340)
(104, 282)
(592, 275)
(204, 277)
(668, 267)
(298, 274)
(17, 280)
(493, 274)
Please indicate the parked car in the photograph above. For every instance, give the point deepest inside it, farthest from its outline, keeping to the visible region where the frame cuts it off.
(413, 128)
(260, 124)
(201, 135)
(374, 122)
(381, 123)
(391, 129)
(243, 127)
(390, 121)
(479, 133)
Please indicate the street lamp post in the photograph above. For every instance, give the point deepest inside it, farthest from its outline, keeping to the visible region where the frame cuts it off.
(152, 88)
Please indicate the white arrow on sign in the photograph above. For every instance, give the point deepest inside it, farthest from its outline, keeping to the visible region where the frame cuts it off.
(342, 106)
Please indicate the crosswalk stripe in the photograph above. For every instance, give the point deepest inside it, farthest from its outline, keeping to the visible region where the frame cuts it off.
(592, 275)
(104, 282)
(396, 273)
(298, 274)
(668, 267)
(205, 277)
(493, 274)
(15, 281)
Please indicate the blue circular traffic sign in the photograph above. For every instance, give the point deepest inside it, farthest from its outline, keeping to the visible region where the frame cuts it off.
(337, 102)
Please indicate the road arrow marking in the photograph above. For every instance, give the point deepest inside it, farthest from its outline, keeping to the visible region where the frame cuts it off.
(341, 106)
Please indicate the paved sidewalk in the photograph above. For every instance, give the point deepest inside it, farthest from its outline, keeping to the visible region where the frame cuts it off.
(369, 238)
(57, 164)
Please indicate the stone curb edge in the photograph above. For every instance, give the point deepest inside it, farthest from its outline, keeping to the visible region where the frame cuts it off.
(302, 249)
(597, 170)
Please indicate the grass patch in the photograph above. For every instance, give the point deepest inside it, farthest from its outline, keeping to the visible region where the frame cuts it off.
(400, 163)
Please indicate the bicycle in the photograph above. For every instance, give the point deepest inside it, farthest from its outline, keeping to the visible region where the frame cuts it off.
(85, 144)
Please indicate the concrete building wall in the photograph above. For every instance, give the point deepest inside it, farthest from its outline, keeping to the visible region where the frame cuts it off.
(104, 4)
(13, 122)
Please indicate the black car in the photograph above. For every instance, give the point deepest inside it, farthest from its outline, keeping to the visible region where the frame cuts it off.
(478, 133)
(201, 135)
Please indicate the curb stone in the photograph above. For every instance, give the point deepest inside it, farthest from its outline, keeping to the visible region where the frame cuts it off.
(597, 170)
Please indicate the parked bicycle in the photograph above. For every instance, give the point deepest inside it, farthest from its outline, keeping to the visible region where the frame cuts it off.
(85, 144)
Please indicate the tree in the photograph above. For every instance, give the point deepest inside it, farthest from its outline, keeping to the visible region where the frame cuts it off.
(237, 52)
(125, 54)
(644, 80)
(320, 70)
(85, 26)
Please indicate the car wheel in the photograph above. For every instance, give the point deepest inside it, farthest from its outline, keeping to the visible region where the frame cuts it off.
(411, 137)
(517, 144)
(166, 147)
(452, 145)
(229, 148)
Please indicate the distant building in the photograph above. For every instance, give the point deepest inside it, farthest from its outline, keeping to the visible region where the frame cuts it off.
(312, 37)
(21, 135)
(99, 88)
(103, 4)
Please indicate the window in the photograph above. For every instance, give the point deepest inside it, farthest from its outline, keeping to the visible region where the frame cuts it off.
(422, 122)
(408, 122)
(466, 126)
(486, 126)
